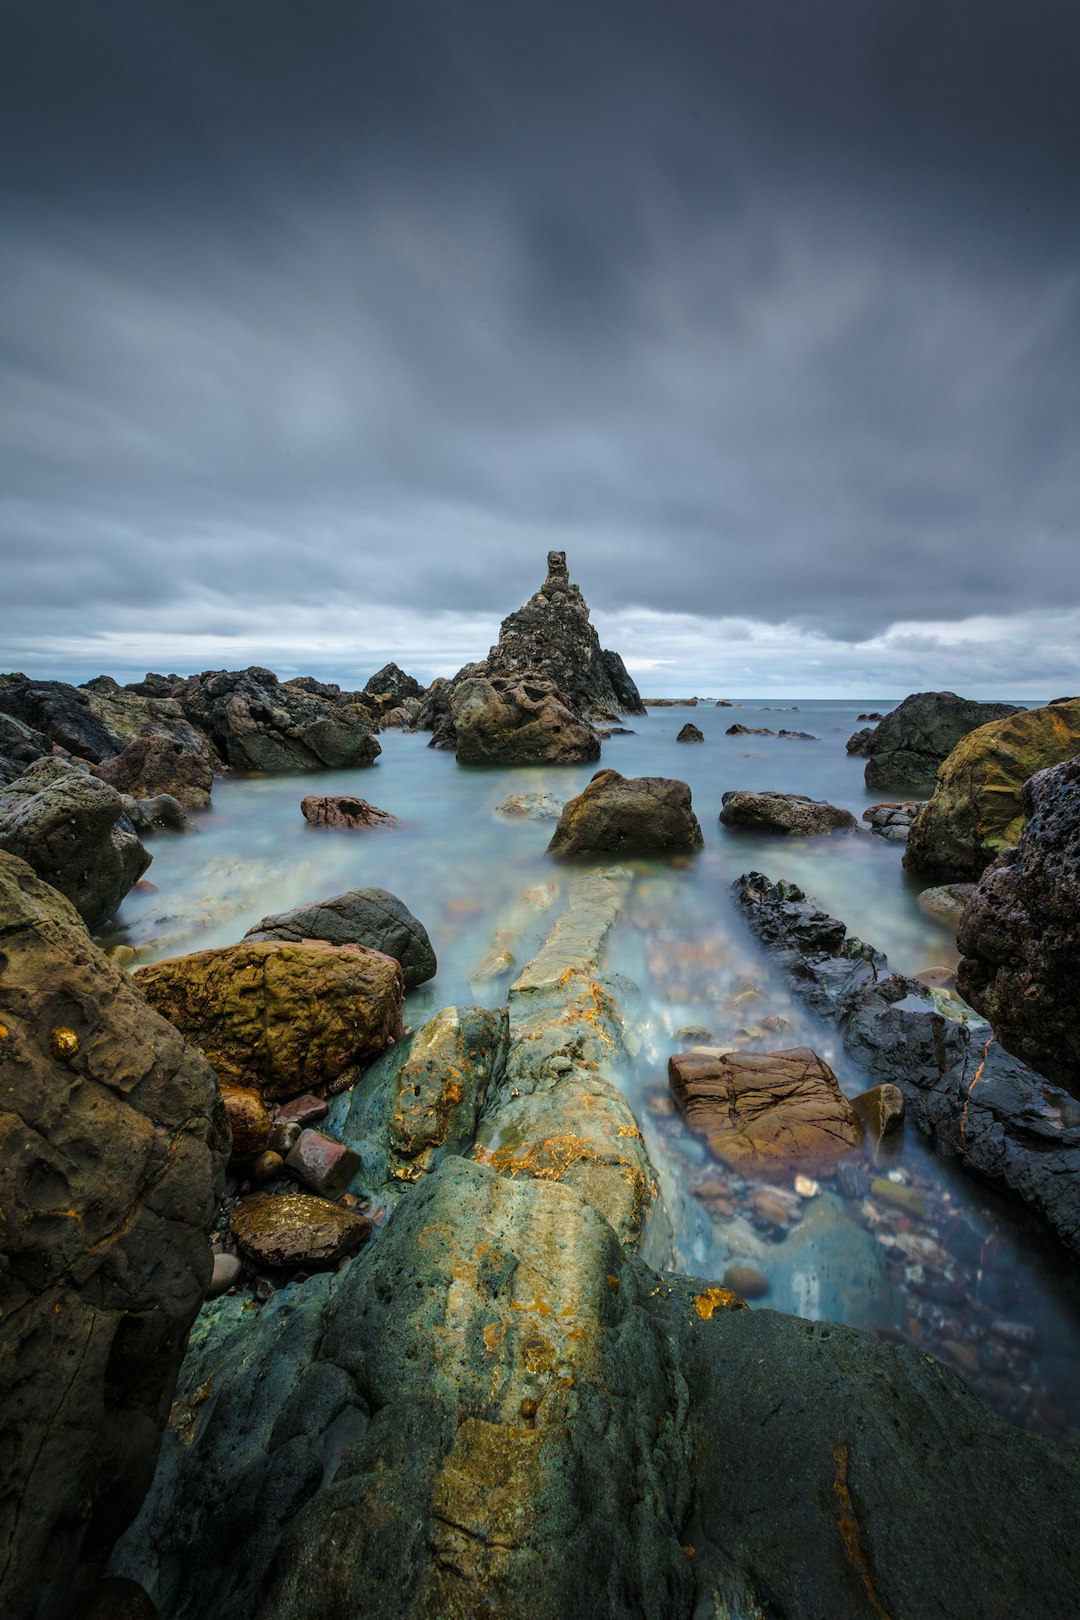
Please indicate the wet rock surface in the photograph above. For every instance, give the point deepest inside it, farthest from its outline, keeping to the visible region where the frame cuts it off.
(291, 1230)
(914, 739)
(892, 821)
(344, 811)
(976, 809)
(1020, 932)
(981, 1105)
(256, 723)
(790, 813)
(280, 1017)
(60, 713)
(518, 720)
(75, 833)
(530, 807)
(113, 1146)
(371, 916)
(619, 815)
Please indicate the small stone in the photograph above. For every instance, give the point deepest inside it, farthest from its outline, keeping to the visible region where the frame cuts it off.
(746, 1281)
(290, 1230)
(226, 1274)
(900, 1197)
(774, 1022)
(806, 1187)
(265, 1168)
(852, 1180)
(64, 1044)
(881, 1110)
(304, 1110)
(322, 1164)
(249, 1120)
(693, 1032)
(964, 1357)
(123, 954)
(343, 810)
(283, 1138)
(937, 978)
(769, 1208)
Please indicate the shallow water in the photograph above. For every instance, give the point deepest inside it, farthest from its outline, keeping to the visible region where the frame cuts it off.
(957, 1270)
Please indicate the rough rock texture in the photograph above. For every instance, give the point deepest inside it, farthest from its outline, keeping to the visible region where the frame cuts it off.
(280, 1017)
(257, 724)
(976, 810)
(112, 1145)
(20, 746)
(980, 1104)
(910, 743)
(129, 714)
(290, 1230)
(61, 713)
(1020, 933)
(859, 741)
(690, 734)
(892, 821)
(628, 815)
(628, 699)
(74, 831)
(152, 765)
(160, 814)
(392, 686)
(791, 813)
(343, 811)
(766, 1114)
(372, 917)
(518, 720)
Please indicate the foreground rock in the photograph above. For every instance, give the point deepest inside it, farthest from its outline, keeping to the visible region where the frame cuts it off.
(910, 743)
(790, 813)
(282, 1018)
(976, 810)
(257, 724)
(1020, 933)
(979, 1104)
(152, 765)
(766, 1114)
(75, 833)
(621, 815)
(113, 1147)
(344, 811)
(518, 720)
(287, 1231)
(372, 917)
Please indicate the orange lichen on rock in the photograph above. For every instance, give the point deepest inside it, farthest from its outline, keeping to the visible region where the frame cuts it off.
(711, 1300)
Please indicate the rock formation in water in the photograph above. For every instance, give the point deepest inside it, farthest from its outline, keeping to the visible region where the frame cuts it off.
(110, 1175)
(626, 816)
(790, 813)
(905, 750)
(518, 720)
(372, 917)
(257, 724)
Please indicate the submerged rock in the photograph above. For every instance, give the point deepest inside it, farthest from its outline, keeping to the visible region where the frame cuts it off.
(791, 813)
(530, 807)
(277, 1016)
(859, 742)
(344, 810)
(738, 730)
(373, 917)
(912, 741)
(518, 720)
(619, 815)
(113, 1147)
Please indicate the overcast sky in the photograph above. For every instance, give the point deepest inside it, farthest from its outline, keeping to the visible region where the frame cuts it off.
(322, 322)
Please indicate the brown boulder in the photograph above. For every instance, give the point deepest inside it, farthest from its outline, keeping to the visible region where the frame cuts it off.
(152, 765)
(112, 1144)
(790, 813)
(518, 720)
(628, 815)
(765, 1113)
(249, 1120)
(283, 1018)
(289, 1230)
(344, 810)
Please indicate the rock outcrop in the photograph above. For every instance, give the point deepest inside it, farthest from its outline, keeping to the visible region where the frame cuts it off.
(980, 1105)
(129, 714)
(154, 764)
(690, 734)
(20, 746)
(280, 1017)
(75, 833)
(628, 815)
(1020, 932)
(518, 720)
(906, 748)
(61, 713)
(790, 813)
(391, 686)
(255, 723)
(976, 809)
(372, 917)
(859, 742)
(113, 1145)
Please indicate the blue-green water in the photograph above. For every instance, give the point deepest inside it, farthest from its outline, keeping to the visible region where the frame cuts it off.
(966, 1276)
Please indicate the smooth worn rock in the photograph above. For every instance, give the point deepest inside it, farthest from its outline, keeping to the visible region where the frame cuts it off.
(530, 807)
(372, 917)
(976, 809)
(322, 1164)
(249, 1120)
(112, 1148)
(280, 1017)
(344, 810)
(907, 747)
(1020, 932)
(290, 1231)
(151, 765)
(790, 813)
(303, 1110)
(225, 1275)
(690, 733)
(74, 832)
(257, 724)
(518, 720)
(765, 1113)
(265, 1166)
(620, 815)
(746, 1281)
(946, 902)
(881, 1110)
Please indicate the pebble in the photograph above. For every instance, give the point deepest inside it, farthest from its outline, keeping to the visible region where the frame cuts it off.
(806, 1187)
(226, 1275)
(746, 1281)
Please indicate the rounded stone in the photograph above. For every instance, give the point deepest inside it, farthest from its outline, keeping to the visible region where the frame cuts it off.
(747, 1281)
(290, 1230)
(249, 1120)
(226, 1275)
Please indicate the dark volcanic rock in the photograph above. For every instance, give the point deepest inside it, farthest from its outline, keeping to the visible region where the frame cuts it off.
(60, 712)
(905, 750)
(859, 741)
(113, 1145)
(256, 724)
(791, 813)
(979, 1103)
(344, 810)
(156, 764)
(619, 815)
(75, 833)
(391, 683)
(690, 733)
(627, 697)
(1020, 932)
(738, 730)
(517, 721)
(372, 917)
(20, 746)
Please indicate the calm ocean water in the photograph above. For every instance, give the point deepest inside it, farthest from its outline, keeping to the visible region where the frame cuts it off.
(939, 1260)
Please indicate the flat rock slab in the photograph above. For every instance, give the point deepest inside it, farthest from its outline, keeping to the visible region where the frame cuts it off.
(344, 810)
(791, 813)
(292, 1230)
(766, 1113)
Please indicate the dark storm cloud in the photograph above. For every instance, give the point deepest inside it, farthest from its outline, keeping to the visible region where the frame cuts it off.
(766, 310)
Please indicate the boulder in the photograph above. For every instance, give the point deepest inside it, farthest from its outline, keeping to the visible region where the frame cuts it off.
(791, 813)
(372, 917)
(61, 713)
(976, 809)
(74, 831)
(946, 902)
(290, 1231)
(161, 814)
(1020, 932)
(20, 746)
(859, 741)
(766, 1114)
(112, 1146)
(130, 715)
(343, 811)
(518, 720)
(152, 765)
(620, 815)
(282, 1018)
(690, 734)
(907, 747)
(257, 724)
(392, 686)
